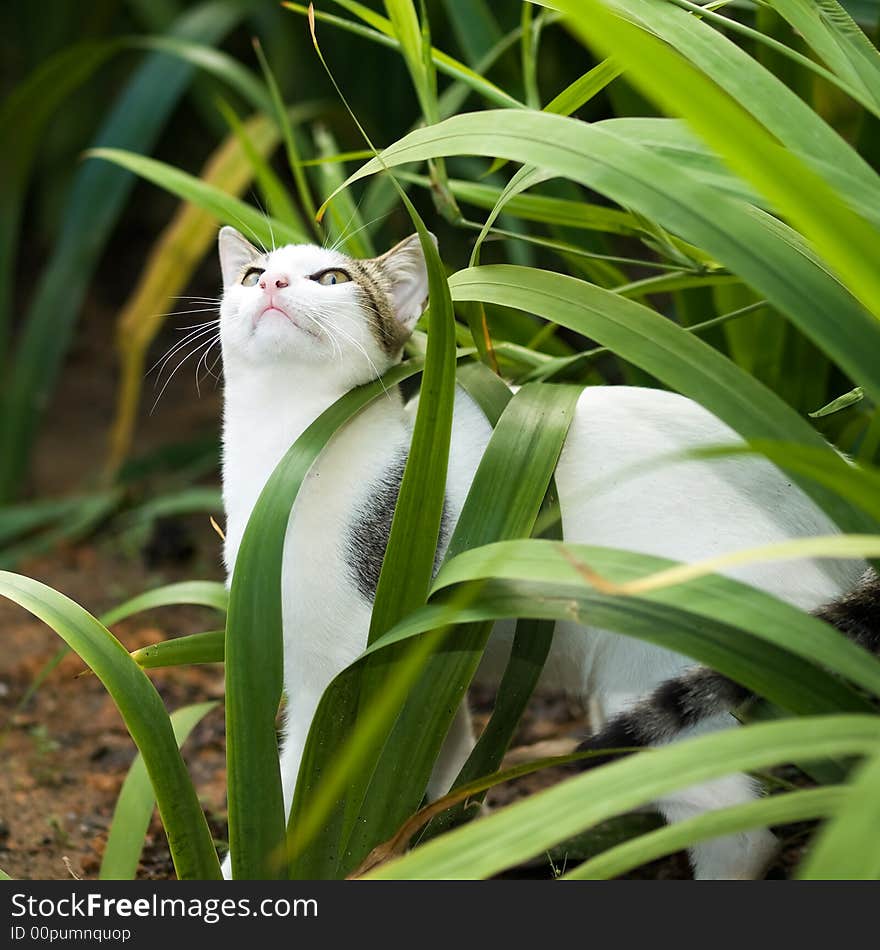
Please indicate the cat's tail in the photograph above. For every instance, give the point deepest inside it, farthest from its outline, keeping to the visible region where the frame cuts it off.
(699, 693)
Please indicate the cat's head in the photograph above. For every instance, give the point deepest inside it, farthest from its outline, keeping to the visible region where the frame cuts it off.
(310, 308)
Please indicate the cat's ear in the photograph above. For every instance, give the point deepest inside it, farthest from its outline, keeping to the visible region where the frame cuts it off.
(236, 252)
(405, 267)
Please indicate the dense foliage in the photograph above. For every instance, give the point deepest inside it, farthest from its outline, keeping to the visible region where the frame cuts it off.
(726, 252)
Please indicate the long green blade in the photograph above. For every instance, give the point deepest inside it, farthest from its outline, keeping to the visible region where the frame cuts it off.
(670, 353)
(848, 848)
(836, 37)
(253, 647)
(134, 807)
(780, 809)
(530, 826)
(227, 209)
(749, 243)
(145, 718)
(841, 235)
(96, 199)
(514, 473)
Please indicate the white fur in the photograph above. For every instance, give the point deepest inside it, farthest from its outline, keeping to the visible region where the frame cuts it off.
(614, 490)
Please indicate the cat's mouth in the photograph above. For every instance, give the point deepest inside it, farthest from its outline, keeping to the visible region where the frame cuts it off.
(273, 308)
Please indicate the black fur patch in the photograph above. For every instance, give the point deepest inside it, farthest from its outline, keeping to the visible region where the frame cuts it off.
(368, 536)
(675, 705)
(857, 614)
(621, 732)
(699, 693)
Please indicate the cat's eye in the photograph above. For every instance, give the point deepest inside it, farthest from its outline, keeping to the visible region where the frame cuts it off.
(251, 276)
(330, 277)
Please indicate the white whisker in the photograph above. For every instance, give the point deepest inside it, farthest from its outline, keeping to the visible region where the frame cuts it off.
(268, 220)
(204, 358)
(198, 326)
(345, 235)
(367, 224)
(186, 313)
(253, 233)
(217, 359)
(356, 345)
(196, 297)
(189, 338)
(171, 376)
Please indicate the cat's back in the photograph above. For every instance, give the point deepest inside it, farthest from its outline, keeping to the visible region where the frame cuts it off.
(627, 478)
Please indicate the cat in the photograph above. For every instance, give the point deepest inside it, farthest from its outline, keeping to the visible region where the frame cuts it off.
(699, 693)
(301, 325)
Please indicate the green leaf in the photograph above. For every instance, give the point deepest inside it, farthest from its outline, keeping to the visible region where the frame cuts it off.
(227, 209)
(841, 402)
(383, 33)
(184, 502)
(720, 599)
(515, 471)
(198, 593)
(741, 238)
(832, 33)
(530, 826)
(729, 646)
(755, 89)
(134, 807)
(253, 646)
(583, 89)
(777, 55)
(839, 234)
(409, 558)
(28, 109)
(779, 809)
(405, 23)
(207, 647)
(476, 28)
(278, 202)
(672, 139)
(543, 208)
(77, 522)
(95, 201)
(30, 106)
(144, 715)
(17, 520)
(346, 227)
(847, 848)
(294, 160)
(663, 349)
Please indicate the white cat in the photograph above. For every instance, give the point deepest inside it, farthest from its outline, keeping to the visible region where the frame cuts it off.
(302, 325)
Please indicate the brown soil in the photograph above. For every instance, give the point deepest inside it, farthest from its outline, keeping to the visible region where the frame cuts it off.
(67, 751)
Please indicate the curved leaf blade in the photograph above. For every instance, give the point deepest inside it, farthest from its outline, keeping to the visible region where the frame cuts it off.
(134, 806)
(531, 825)
(145, 718)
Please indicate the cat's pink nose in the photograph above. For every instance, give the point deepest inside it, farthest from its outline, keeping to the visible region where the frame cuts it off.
(271, 280)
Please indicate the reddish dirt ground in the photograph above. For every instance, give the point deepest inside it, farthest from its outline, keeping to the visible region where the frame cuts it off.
(67, 751)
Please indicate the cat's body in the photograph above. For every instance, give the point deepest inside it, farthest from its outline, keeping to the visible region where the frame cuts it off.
(616, 484)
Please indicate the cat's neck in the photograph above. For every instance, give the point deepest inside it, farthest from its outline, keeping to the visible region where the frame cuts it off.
(272, 407)
(265, 413)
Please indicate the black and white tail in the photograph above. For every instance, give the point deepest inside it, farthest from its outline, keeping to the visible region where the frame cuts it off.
(700, 692)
